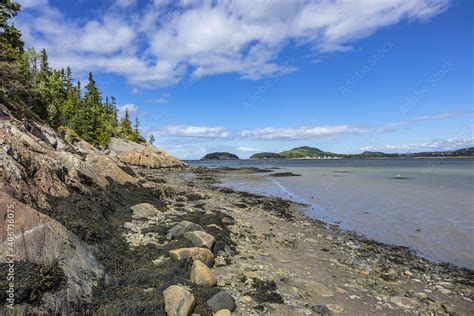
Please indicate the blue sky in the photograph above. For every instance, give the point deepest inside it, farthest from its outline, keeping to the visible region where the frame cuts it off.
(247, 76)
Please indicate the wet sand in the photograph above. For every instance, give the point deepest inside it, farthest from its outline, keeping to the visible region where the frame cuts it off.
(287, 263)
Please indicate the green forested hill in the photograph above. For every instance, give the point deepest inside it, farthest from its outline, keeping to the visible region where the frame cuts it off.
(311, 152)
(305, 152)
(219, 156)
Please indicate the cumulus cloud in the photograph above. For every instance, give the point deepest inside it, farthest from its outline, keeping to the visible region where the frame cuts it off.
(270, 133)
(290, 133)
(165, 41)
(131, 108)
(192, 131)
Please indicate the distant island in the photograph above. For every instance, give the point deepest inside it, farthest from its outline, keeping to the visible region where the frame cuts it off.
(266, 155)
(220, 156)
(306, 152)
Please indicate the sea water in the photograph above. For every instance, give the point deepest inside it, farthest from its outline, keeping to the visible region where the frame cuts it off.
(424, 204)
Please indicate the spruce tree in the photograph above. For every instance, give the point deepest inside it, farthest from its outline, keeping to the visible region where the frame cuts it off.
(15, 87)
(68, 78)
(27, 82)
(45, 71)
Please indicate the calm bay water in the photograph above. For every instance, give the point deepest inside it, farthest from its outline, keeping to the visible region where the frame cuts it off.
(430, 211)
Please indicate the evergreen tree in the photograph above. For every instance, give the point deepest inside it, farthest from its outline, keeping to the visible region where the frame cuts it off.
(125, 124)
(152, 139)
(56, 93)
(68, 78)
(27, 82)
(10, 34)
(44, 72)
(137, 123)
(15, 87)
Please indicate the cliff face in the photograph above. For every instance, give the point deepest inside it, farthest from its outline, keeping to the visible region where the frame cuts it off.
(58, 195)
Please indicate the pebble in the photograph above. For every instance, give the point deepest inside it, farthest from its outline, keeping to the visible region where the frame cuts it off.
(279, 310)
(223, 312)
(335, 308)
(321, 310)
(420, 295)
(309, 286)
(245, 299)
(404, 302)
(219, 261)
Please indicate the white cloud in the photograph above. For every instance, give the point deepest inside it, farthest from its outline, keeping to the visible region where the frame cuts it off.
(108, 36)
(192, 131)
(247, 149)
(270, 133)
(440, 116)
(162, 43)
(290, 133)
(132, 109)
(125, 3)
(164, 98)
(436, 144)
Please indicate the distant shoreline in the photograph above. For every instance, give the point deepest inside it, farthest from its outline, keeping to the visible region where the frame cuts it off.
(342, 158)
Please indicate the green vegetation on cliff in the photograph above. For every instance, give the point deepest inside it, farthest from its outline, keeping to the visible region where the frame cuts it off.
(29, 86)
(219, 156)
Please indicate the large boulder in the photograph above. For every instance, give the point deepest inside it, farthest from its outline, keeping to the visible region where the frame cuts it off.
(143, 211)
(202, 275)
(221, 300)
(200, 254)
(200, 239)
(40, 239)
(182, 227)
(142, 154)
(178, 301)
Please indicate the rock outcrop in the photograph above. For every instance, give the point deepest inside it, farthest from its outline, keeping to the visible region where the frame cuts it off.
(142, 155)
(42, 177)
(40, 239)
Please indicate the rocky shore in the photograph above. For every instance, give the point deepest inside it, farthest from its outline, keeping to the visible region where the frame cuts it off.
(132, 231)
(283, 263)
